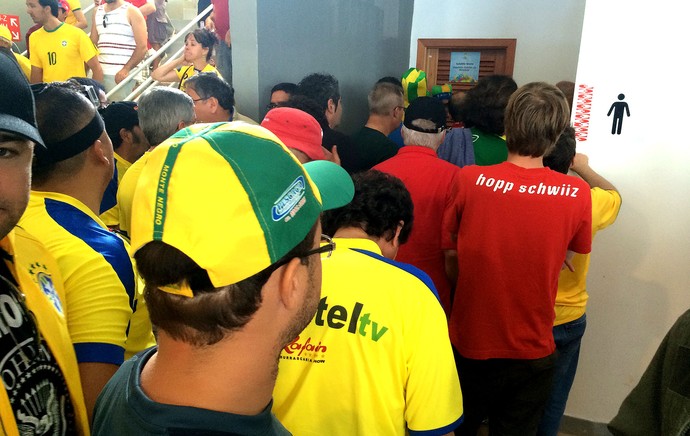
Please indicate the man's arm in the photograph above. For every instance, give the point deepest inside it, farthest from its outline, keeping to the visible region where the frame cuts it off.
(138, 23)
(96, 70)
(94, 376)
(81, 19)
(594, 180)
(36, 74)
(94, 31)
(147, 8)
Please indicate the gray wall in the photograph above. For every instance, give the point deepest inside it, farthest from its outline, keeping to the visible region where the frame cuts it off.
(357, 41)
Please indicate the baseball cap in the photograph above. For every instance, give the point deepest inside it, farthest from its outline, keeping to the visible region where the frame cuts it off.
(425, 108)
(442, 92)
(230, 196)
(62, 4)
(296, 129)
(17, 108)
(120, 115)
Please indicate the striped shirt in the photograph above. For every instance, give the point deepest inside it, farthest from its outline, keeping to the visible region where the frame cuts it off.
(115, 38)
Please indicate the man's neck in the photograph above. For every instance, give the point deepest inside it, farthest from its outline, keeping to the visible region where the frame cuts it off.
(218, 377)
(109, 7)
(51, 23)
(377, 122)
(525, 161)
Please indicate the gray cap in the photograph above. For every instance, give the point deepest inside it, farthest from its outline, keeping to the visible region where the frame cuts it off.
(17, 109)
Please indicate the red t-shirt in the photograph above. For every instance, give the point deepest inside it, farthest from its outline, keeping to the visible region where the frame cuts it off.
(515, 227)
(433, 185)
(221, 17)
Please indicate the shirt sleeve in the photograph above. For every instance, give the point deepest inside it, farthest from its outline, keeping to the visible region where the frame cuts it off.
(34, 56)
(605, 207)
(86, 48)
(582, 240)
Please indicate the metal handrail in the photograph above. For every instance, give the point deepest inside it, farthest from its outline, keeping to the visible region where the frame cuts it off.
(146, 62)
(150, 81)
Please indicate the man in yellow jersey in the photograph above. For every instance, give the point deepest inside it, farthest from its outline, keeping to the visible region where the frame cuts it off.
(107, 318)
(162, 112)
(58, 51)
(41, 390)
(376, 359)
(121, 120)
(571, 299)
(75, 16)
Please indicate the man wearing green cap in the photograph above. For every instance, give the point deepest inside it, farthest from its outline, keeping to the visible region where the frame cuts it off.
(233, 274)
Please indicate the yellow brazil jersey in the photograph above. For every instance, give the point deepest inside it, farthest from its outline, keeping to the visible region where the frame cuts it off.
(24, 64)
(125, 192)
(376, 359)
(74, 5)
(61, 53)
(571, 299)
(105, 311)
(38, 277)
(188, 71)
(111, 216)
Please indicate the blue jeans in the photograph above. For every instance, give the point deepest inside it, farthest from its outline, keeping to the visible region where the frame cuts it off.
(568, 337)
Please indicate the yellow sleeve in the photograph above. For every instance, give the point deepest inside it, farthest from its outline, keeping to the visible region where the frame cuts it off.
(35, 58)
(605, 207)
(86, 48)
(24, 64)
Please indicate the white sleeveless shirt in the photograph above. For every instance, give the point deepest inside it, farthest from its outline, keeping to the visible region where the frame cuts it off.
(115, 38)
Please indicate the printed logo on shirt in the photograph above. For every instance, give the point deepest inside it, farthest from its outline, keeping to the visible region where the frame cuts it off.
(305, 350)
(337, 317)
(503, 186)
(64, 43)
(44, 281)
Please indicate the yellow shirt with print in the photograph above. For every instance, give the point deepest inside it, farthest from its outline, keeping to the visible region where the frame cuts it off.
(61, 53)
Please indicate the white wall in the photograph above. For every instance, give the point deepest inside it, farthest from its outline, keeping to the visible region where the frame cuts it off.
(639, 276)
(547, 31)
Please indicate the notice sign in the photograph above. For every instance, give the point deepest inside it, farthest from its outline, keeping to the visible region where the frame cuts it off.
(464, 66)
(12, 23)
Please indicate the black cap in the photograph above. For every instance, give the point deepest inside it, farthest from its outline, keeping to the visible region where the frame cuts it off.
(120, 115)
(17, 109)
(426, 108)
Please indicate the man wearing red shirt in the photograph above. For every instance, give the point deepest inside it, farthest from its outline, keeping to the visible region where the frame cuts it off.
(433, 185)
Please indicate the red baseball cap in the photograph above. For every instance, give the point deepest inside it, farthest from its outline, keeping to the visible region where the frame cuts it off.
(296, 129)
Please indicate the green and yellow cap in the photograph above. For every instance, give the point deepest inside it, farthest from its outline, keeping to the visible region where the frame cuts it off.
(414, 85)
(232, 197)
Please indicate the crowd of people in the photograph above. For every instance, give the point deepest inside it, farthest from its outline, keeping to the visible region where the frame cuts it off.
(171, 266)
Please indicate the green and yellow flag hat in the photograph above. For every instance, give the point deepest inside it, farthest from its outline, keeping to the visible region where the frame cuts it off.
(414, 85)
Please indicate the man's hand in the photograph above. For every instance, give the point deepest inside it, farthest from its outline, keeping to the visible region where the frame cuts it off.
(121, 75)
(332, 155)
(580, 162)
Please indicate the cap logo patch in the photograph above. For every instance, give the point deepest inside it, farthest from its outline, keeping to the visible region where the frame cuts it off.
(290, 201)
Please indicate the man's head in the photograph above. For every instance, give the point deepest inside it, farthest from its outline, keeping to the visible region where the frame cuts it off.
(214, 98)
(239, 250)
(298, 130)
(63, 10)
(281, 93)
(561, 156)
(75, 138)
(386, 103)
(163, 111)
(324, 89)
(381, 207)
(483, 106)
(536, 115)
(41, 11)
(425, 121)
(121, 120)
(18, 136)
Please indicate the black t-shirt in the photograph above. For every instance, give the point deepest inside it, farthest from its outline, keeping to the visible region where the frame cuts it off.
(30, 375)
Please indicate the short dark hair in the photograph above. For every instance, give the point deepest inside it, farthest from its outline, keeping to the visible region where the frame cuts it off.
(561, 156)
(61, 111)
(536, 115)
(212, 313)
(484, 105)
(53, 4)
(306, 104)
(88, 81)
(380, 202)
(210, 85)
(287, 87)
(206, 38)
(320, 87)
(392, 80)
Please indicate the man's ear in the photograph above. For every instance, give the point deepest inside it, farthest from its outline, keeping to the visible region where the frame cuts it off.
(98, 151)
(213, 104)
(292, 284)
(332, 106)
(396, 237)
(126, 136)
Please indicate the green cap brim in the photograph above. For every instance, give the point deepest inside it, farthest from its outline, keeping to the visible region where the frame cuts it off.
(334, 183)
